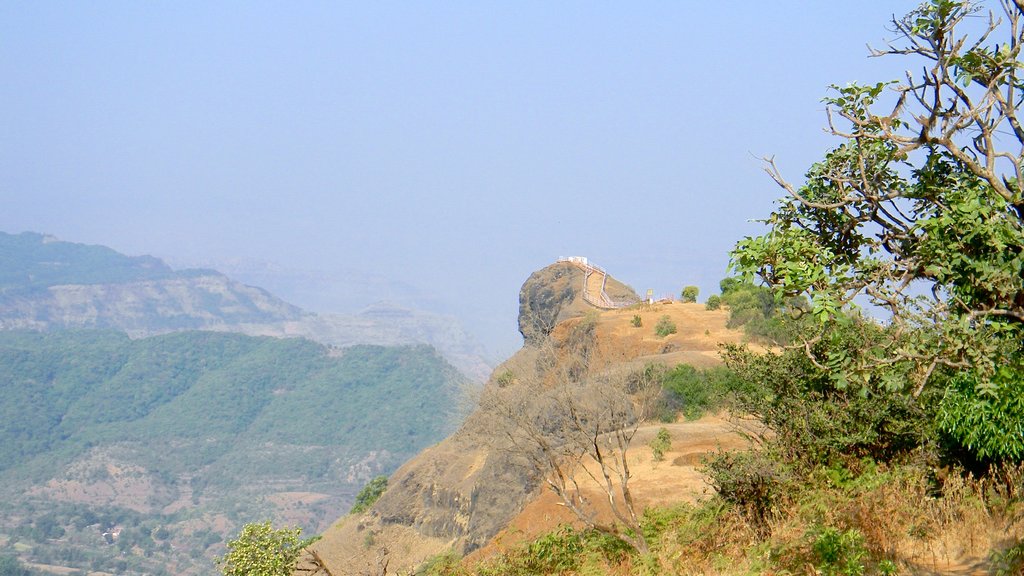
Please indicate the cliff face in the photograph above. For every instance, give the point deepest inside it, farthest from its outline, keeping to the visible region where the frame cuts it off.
(186, 302)
(461, 492)
(554, 294)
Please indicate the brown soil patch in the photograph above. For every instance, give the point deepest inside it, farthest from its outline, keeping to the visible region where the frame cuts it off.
(699, 333)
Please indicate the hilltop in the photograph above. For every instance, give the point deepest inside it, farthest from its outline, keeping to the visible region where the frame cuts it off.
(461, 493)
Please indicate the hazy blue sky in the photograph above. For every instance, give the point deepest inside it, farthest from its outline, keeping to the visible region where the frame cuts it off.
(455, 146)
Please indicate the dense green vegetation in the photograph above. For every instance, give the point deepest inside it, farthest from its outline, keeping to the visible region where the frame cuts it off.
(217, 421)
(85, 388)
(919, 210)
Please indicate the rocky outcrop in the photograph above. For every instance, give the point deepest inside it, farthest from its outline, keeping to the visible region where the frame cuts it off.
(458, 494)
(555, 293)
(141, 308)
(453, 496)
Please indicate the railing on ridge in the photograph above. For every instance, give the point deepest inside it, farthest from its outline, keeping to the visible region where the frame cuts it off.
(601, 300)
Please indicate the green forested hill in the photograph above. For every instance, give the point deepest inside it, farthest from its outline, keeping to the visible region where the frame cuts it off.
(193, 430)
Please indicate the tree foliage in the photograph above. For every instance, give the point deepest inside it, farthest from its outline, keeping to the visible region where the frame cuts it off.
(261, 550)
(369, 494)
(689, 293)
(920, 211)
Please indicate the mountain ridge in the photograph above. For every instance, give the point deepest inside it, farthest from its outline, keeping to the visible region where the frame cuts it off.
(47, 283)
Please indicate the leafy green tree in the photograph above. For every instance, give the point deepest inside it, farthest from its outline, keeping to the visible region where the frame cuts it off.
(920, 211)
(690, 294)
(261, 550)
(714, 302)
(369, 494)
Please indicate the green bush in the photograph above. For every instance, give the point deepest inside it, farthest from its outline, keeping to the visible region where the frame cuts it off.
(637, 321)
(754, 481)
(369, 494)
(695, 392)
(986, 421)
(665, 326)
(1010, 561)
(818, 416)
(661, 444)
(839, 553)
(564, 550)
(260, 550)
(714, 302)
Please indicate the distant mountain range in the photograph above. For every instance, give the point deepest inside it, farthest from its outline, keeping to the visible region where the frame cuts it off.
(46, 283)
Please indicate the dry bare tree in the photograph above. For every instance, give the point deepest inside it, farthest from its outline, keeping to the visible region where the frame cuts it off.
(572, 424)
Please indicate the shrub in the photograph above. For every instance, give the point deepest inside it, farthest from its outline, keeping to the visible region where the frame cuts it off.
(818, 417)
(753, 481)
(369, 494)
(696, 392)
(986, 421)
(665, 326)
(714, 302)
(564, 550)
(839, 553)
(690, 293)
(637, 321)
(660, 444)
(260, 550)
(1009, 561)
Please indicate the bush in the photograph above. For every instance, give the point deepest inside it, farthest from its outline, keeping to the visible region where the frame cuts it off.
(369, 494)
(753, 481)
(986, 422)
(261, 550)
(690, 294)
(665, 326)
(714, 302)
(564, 550)
(637, 321)
(818, 417)
(660, 444)
(696, 392)
(839, 553)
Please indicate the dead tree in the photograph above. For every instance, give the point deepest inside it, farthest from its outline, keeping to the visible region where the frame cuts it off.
(572, 424)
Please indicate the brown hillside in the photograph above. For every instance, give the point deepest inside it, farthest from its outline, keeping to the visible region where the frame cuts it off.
(462, 492)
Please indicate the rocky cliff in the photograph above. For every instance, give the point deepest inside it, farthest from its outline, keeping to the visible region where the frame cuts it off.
(461, 492)
(555, 293)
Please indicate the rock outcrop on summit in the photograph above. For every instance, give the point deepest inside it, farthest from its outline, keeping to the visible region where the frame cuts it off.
(555, 293)
(459, 494)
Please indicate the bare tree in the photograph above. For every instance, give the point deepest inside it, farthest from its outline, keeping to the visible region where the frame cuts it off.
(572, 425)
